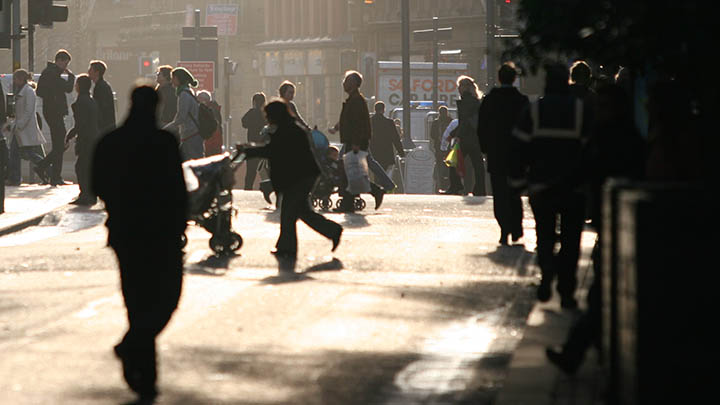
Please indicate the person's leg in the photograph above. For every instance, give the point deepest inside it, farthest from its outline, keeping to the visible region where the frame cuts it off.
(57, 136)
(379, 173)
(500, 193)
(290, 207)
(319, 223)
(151, 285)
(545, 221)
(478, 164)
(514, 212)
(571, 225)
(251, 167)
(13, 163)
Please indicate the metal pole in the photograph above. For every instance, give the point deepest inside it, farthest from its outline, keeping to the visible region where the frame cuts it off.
(198, 36)
(31, 47)
(226, 70)
(435, 64)
(490, 39)
(406, 67)
(16, 34)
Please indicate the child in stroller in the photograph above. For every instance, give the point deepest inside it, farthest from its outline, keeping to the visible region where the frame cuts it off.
(332, 179)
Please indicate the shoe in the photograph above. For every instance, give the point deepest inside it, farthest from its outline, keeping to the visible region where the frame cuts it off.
(283, 254)
(336, 240)
(59, 182)
(42, 174)
(516, 237)
(451, 192)
(568, 303)
(504, 239)
(568, 364)
(544, 292)
(266, 189)
(378, 195)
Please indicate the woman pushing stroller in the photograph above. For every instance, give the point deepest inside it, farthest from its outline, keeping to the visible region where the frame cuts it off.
(293, 172)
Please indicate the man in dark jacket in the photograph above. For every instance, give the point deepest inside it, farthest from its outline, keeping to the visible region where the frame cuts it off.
(85, 115)
(254, 121)
(355, 133)
(499, 113)
(385, 137)
(293, 172)
(103, 96)
(134, 164)
(166, 92)
(52, 89)
(546, 150)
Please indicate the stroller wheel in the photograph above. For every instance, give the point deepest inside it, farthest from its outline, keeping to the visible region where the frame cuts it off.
(325, 204)
(314, 202)
(183, 241)
(338, 203)
(359, 204)
(223, 247)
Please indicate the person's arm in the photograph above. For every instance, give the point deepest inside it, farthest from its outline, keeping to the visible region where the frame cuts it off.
(182, 114)
(519, 149)
(68, 85)
(255, 151)
(445, 142)
(245, 120)
(396, 139)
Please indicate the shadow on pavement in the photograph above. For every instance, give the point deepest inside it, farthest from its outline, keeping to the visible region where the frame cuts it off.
(333, 265)
(512, 256)
(471, 200)
(213, 265)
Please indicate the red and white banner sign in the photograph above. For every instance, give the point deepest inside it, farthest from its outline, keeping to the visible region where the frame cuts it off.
(204, 72)
(224, 16)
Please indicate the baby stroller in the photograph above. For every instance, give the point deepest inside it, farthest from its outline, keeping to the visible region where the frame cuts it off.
(209, 183)
(331, 177)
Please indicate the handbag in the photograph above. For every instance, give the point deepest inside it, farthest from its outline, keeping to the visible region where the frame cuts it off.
(451, 160)
(356, 170)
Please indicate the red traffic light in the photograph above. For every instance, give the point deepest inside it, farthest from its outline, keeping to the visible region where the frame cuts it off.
(146, 63)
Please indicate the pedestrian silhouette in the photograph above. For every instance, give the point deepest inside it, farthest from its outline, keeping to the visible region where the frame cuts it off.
(385, 137)
(499, 113)
(615, 150)
(186, 117)
(293, 172)
(52, 88)
(547, 152)
(254, 121)
(168, 99)
(86, 117)
(103, 96)
(137, 173)
(437, 129)
(467, 107)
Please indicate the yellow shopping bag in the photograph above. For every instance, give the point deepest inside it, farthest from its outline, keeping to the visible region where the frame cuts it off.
(451, 160)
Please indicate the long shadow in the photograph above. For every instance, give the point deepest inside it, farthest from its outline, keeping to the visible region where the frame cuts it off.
(214, 265)
(512, 256)
(472, 200)
(355, 220)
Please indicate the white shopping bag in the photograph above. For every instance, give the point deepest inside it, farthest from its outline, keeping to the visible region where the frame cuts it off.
(356, 170)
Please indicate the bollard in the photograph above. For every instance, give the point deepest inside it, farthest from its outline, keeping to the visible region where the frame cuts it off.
(664, 299)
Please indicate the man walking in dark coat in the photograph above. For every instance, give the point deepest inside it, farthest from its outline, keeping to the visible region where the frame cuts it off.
(254, 121)
(85, 115)
(546, 149)
(52, 89)
(499, 113)
(384, 137)
(103, 96)
(134, 164)
(166, 92)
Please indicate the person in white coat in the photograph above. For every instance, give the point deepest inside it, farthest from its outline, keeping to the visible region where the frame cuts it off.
(26, 139)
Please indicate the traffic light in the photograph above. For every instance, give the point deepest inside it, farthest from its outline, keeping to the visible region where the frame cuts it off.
(506, 13)
(5, 24)
(45, 13)
(146, 66)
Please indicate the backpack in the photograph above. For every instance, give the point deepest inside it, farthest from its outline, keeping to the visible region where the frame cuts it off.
(206, 122)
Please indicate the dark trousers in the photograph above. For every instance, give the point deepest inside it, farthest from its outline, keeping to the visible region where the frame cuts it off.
(151, 280)
(472, 151)
(54, 159)
(82, 170)
(507, 206)
(587, 330)
(3, 169)
(251, 166)
(568, 208)
(17, 153)
(296, 205)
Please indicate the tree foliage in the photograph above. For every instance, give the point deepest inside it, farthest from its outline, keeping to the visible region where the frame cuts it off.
(662, 35)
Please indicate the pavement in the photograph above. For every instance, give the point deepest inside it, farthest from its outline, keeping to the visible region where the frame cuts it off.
(530, 379)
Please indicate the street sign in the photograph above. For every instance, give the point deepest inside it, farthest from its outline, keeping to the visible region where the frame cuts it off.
(427, 35)
(204, 72)
(224, 16)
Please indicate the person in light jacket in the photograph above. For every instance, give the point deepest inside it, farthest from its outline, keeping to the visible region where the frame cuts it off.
(26, 138)
(185, 122)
